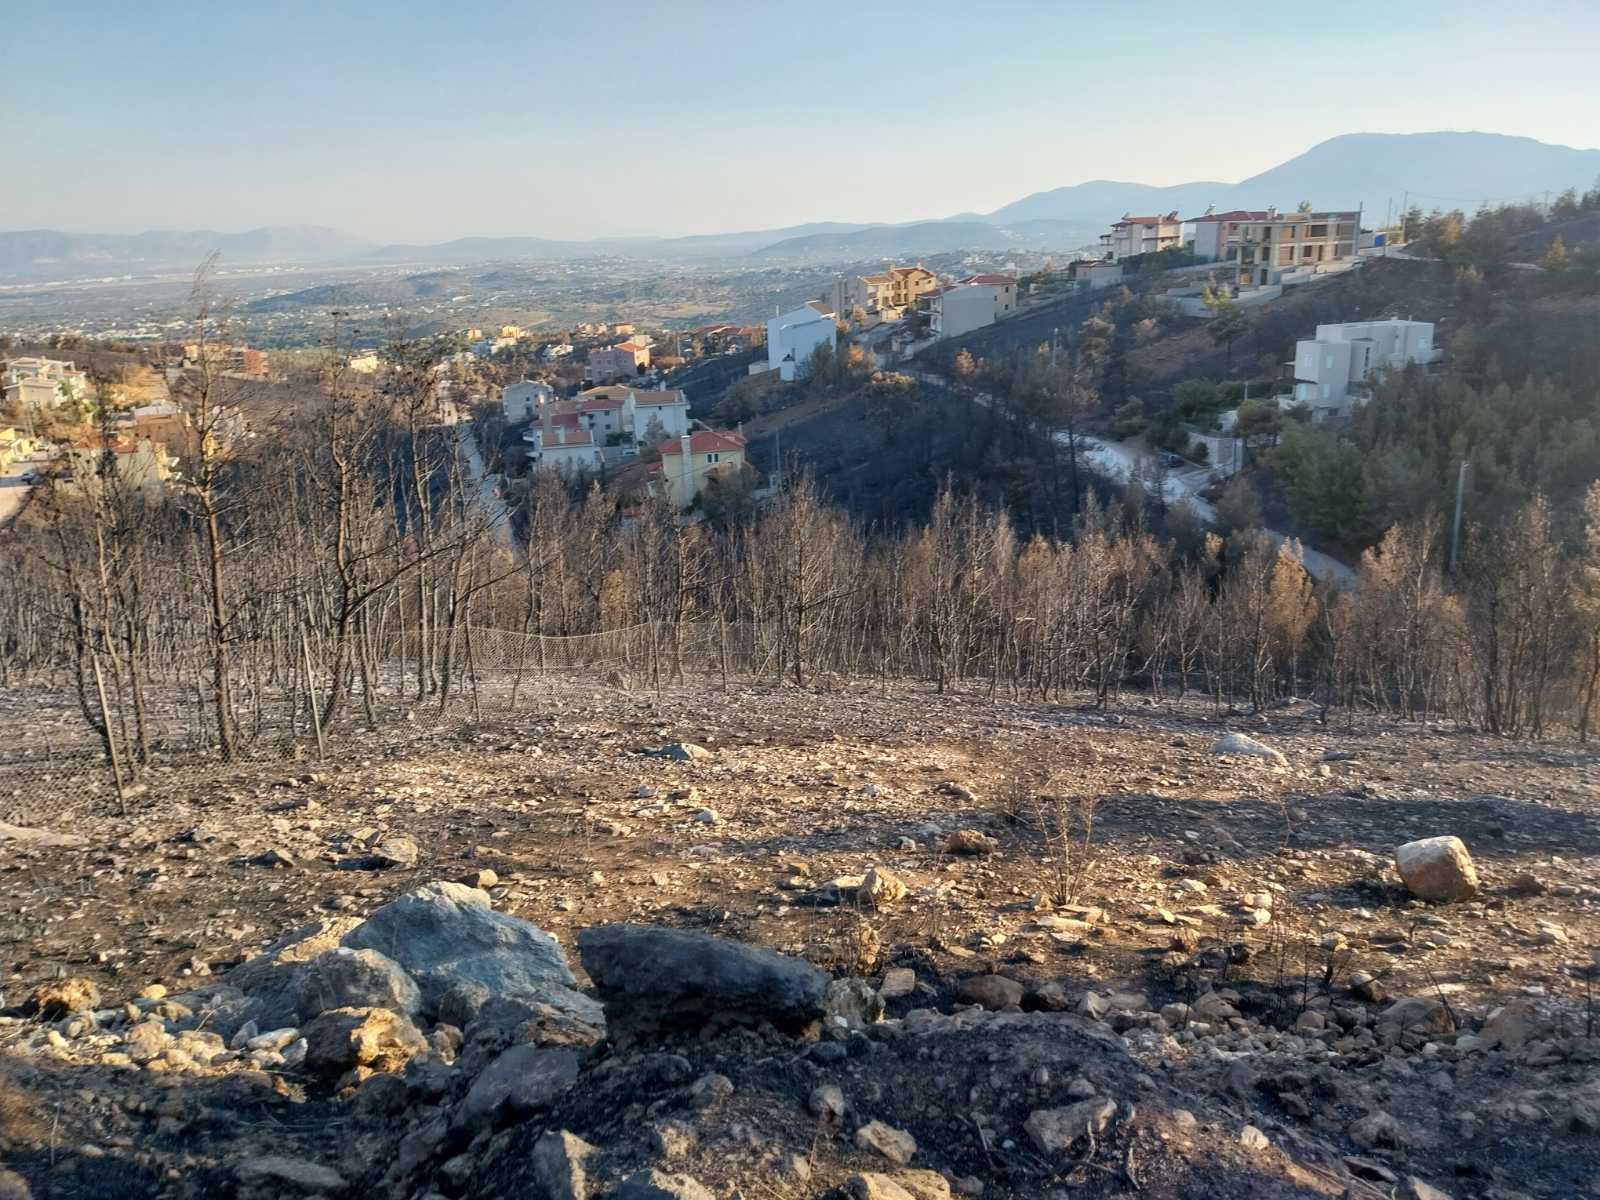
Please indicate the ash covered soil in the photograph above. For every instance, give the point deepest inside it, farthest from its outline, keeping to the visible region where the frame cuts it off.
(930, 946)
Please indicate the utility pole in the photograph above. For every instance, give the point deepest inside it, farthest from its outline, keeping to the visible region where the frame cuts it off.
(1455, 531)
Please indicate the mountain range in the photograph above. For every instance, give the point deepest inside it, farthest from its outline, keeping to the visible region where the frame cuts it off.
(1379, 171)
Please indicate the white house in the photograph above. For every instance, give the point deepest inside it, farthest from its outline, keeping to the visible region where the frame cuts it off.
(523, 400)
(642, 415)
(1005, 292)
(558, 446)
(1330, 369)
(793, 337)
(953, 311)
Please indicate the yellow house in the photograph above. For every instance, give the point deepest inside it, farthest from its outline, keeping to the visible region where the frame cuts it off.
(884, 293)
(689, 461)
(15, 446)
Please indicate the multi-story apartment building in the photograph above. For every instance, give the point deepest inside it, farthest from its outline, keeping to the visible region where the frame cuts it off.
(1141, 235)
(1217, 234)
(1279, 244)
(886, 294)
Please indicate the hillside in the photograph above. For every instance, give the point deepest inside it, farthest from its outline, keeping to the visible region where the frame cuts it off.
(929, 237)
(1235, 999)
(1371, 169)
(48, 253)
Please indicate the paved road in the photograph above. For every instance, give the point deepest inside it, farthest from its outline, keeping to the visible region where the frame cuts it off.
(1119, 461)
(13, 495)
(488, 489)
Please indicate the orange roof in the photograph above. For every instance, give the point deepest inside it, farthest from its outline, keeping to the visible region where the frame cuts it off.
(656, 399)
(572, 437)
(704, 441)
(568, 420)
(1238, 214)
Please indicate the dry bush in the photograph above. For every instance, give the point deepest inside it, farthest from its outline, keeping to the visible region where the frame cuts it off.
(1067, 847)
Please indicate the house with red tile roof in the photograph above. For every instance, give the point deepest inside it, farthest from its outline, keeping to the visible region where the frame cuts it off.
(558, 445)
(689, 461)
(625, 360)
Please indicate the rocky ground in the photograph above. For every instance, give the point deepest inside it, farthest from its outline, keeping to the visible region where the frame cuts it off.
(832, 943)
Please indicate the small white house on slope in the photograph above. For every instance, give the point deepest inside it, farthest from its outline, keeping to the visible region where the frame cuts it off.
(793, 337)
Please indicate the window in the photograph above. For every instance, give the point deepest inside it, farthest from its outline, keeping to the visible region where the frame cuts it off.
(711, 458)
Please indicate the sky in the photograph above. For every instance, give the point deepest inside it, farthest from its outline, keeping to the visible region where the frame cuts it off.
(407, 121)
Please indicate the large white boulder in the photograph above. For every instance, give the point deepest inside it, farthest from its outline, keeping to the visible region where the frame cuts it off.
(1244, 744)
(1437, 868)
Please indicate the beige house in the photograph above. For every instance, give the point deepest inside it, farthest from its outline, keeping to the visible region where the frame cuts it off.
(1141, 235)
(15, 445)
(140, 464)
(885, 294)
(687, 463)
(1295, 243)
(41, 383)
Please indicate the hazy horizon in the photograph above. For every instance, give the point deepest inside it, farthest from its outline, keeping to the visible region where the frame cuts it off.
(637, 121)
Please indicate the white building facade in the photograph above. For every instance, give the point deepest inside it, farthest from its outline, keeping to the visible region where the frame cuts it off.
(1332, 369)
(522, 401)
(793, 338)
(960, 309)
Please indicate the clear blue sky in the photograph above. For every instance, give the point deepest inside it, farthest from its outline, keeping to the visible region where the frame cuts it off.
(425, 121)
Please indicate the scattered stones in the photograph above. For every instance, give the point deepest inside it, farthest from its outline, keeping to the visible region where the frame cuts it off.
(897, 982)
(683, 752)
(1437, 868)
(902, 1185)
(827, 1103)
(653, 979)
(394, 852)
(659, 1185)
(896, 1145)
(1252, 1138)
(64, 996)
(524, 1079)
(1244, 744)
(361, 1037)
(284, 1176)
(993, 992)
(559, 1165)
(881, 888)
(970, 843)
(1054, 1130)
(483, 879)
(852, 1003)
